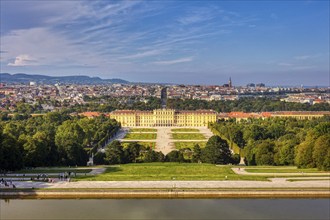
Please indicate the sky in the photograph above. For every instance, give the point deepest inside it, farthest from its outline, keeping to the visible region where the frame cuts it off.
(279, 42)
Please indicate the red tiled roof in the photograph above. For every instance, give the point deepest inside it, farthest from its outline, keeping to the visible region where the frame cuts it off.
(90, 114)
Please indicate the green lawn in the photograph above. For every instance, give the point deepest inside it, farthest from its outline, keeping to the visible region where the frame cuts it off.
(141, 136)
(282, 170)
(180, 145)
(190, 136)
(143, 130)
(146, 144)
(169, 171)
(184, 130)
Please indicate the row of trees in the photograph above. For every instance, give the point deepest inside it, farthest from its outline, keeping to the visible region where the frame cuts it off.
(280, 141)
(52, 140)
(216, 152)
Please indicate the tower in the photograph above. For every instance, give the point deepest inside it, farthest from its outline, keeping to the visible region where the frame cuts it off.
(230, 84)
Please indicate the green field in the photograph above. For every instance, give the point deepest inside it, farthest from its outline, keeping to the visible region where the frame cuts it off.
(184, 130)
(146, 144)
(190, 136)
(180, 145)
(141, 136)
(282, 170)
(143, 130)
(169, 171)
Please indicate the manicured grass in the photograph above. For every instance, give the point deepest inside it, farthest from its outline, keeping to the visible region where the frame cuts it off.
(180, 145)
(184, 130)
(146, 144)
(169, 171)
(143, 130)
(53, 170)
(282, 170)
(190, 136)
(141, 136)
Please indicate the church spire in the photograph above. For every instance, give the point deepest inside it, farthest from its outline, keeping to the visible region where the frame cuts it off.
(230, 83)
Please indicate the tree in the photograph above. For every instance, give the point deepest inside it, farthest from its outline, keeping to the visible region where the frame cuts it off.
(11, 155)
(236, 135)
(151, 156)
(216, 151)
(36, 149)
(133, 151)
(174, 156)
(284, 152)
(256, 132)
(99, 158)
(235, 159)
(114, 153)
(264, 153)
(69, 138)
(304, 152)
(197, 154)
(321, 153)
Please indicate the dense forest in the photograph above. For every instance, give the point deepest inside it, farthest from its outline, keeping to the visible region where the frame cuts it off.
(53, 139)
(280, 141)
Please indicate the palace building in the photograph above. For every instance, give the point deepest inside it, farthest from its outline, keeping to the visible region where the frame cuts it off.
(198, 118)
(164, 118)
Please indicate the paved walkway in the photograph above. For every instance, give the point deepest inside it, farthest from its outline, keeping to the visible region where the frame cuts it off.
(242, 171)
(274, 183)
(164, 142)
(94, 171)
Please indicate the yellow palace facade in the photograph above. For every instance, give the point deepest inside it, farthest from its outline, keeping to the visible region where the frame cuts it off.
(164, 118)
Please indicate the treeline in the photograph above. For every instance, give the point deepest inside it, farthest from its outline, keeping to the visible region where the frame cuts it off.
(245, 105)
(108, 104)
(53, 139)
(280, 141)
(216, 151)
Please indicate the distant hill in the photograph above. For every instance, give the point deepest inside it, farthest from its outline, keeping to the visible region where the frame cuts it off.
(26, 78)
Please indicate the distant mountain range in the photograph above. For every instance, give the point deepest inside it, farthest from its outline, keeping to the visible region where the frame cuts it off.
(26, 78)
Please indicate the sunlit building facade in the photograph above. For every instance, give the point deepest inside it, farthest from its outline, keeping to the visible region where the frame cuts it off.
(164, 118)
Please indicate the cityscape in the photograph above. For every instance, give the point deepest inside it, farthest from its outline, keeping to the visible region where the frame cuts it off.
(137, 109)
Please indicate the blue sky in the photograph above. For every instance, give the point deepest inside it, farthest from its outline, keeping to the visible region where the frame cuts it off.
(192, 42)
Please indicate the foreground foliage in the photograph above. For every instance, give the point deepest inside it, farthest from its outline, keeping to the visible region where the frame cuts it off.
(280, 141)
(53, 139)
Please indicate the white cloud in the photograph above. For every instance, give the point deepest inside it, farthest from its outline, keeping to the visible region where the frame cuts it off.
(42, 46)
(198, 15)
(23, 60)
(144, 54)
(170, 62)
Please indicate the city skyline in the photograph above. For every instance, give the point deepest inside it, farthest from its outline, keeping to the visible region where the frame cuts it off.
(277, 43)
